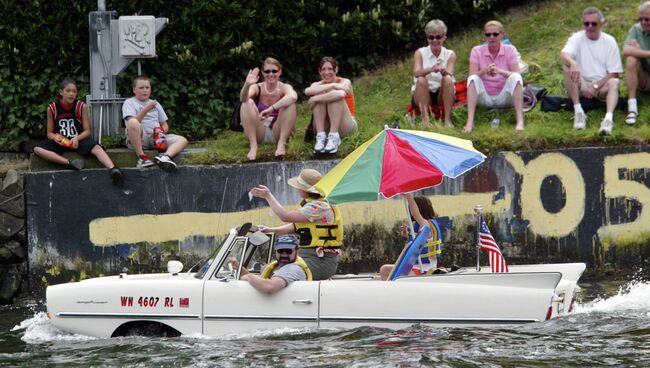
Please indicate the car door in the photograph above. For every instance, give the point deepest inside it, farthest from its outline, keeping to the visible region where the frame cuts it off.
(233, 306)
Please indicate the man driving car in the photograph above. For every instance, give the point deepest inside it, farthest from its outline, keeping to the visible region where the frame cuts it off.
(286, 268)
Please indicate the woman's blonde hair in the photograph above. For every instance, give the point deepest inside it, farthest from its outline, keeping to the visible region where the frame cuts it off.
(494, 23)
(270, 60)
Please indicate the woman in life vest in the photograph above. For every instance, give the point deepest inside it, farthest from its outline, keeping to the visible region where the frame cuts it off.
(317, 224)
(422, 214)
(69, 130)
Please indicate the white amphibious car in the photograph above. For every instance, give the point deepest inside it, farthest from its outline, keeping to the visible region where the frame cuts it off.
(213, 301)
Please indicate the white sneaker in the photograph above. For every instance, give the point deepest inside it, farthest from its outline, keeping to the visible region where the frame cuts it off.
(144, 161)
(333, 142)
(320, 143)
(165, 162)
(579, 120)
(606, 127)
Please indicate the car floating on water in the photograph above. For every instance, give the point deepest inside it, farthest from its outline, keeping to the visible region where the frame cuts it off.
(209, 299)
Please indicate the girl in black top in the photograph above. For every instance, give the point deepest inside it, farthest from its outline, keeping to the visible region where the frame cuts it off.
(69, 130)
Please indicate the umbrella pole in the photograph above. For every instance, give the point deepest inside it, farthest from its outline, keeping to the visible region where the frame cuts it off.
(477, 210)
(411, 229)
(408, 218)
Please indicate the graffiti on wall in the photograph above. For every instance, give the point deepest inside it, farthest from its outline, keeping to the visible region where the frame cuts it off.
(576, 197)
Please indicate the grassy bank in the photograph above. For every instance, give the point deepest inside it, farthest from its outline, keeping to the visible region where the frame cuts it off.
(538, 30)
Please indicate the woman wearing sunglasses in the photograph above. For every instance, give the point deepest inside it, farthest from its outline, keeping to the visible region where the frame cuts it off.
(494, 79)
(433, 74)
(331, 101)
(268, 110)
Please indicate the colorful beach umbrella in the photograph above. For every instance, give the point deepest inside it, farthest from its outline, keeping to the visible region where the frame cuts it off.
(398, 161)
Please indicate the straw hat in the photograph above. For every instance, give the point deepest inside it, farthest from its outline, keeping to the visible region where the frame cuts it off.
(306, 180)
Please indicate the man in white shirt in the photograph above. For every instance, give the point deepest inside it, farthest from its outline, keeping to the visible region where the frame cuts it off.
(592, 64)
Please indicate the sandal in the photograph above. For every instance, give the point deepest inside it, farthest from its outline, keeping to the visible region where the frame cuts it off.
(630, 119)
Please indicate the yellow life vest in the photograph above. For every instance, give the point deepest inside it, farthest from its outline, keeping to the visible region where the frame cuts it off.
(432, 245)
(268, 270)
(313, 234)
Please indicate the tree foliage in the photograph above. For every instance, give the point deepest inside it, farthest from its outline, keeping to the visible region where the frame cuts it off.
(206, 50)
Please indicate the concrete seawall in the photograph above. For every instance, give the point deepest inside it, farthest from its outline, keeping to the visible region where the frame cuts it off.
(586, 204)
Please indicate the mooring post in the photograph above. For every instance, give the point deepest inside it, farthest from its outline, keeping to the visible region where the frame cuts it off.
(478, 209)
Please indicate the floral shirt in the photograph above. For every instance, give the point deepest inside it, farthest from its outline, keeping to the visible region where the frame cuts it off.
(318, 211)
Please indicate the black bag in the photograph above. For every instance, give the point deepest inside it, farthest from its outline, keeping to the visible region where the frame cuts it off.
(235, 120)
(556, 103)
(536, 90)
(310, 133)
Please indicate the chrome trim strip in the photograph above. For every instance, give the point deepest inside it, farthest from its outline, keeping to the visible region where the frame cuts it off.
(427, 320)
(127, 315)
(409, 320)
(212, 317)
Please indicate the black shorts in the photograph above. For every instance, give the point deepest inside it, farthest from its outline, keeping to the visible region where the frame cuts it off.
(432, 95)
(85, 146)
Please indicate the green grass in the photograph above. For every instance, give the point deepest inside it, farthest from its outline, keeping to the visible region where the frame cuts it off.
(539, 31)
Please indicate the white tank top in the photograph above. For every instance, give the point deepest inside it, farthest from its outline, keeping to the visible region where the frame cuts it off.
(429, 60)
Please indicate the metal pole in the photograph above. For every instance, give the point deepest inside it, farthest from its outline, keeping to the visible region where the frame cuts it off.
(477, 210)
(408, 218)
(411, 228)
(101, 118)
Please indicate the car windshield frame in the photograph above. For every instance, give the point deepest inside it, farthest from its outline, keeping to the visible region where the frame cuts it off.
(261, 254)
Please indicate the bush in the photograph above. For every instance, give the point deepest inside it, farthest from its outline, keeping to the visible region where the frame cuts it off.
(206, 50)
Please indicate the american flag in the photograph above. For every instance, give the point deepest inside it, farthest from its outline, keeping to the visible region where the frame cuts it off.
(184, 302)
(488, 244)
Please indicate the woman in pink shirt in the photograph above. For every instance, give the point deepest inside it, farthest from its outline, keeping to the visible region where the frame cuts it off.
(494, 79)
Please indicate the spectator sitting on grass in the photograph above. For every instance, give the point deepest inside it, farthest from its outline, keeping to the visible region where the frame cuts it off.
(433, 73)
(268, 110)
(494, 79)
(636, 51)
(331, 101)
(69, 130)
(592, 64)
(142, 115)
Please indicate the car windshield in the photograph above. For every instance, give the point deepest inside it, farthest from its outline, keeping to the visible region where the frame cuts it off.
(254, 257)
(206, 262)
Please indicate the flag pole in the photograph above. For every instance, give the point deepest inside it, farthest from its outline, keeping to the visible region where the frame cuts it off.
(477, 210)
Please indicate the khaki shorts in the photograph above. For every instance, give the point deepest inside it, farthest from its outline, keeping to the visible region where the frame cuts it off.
(268, 135)
(586, 84)
(352, 127)
(646, 88)
(322, 268)
(148, 141)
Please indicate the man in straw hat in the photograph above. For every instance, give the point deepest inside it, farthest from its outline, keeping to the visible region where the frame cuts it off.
(316, 222)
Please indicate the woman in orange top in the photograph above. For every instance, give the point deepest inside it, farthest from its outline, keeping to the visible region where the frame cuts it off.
(331, 101)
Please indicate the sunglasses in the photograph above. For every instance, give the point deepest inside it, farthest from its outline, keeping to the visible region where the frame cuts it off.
(644, 19)
(587, 24)
(435, 37)
(284, 251)
(493, 34)
(271, 71)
